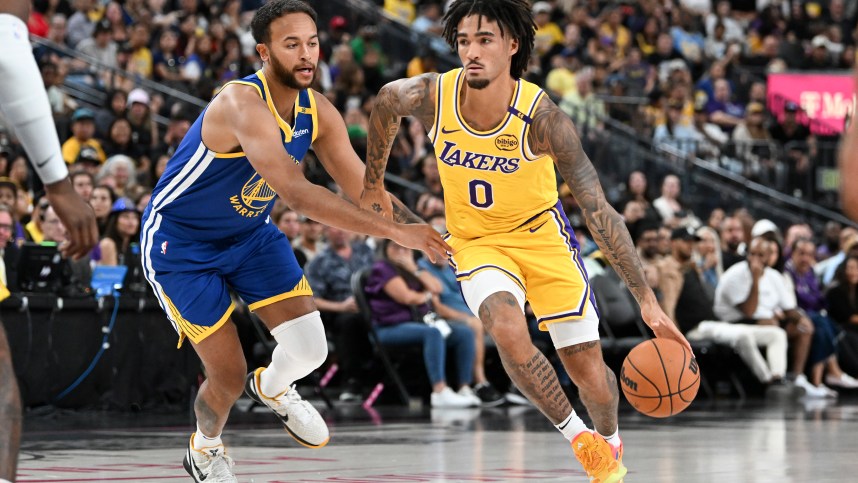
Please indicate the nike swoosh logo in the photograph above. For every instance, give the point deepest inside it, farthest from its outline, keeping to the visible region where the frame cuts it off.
(533, 230)
(444, 131)
(200, 475)
(43, 163)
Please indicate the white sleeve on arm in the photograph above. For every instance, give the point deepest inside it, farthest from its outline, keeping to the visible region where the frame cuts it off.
(24, 102)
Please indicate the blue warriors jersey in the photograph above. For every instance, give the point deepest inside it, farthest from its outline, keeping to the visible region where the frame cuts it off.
(205, 195)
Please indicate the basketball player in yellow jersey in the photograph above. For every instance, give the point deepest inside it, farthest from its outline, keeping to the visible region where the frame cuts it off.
(498, 139)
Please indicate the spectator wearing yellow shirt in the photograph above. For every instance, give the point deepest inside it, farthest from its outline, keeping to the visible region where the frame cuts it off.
(561, 79)
(612, 30)
(140, 62)
(83, 130)
(548, 34)
(402, 10)
(425, 61)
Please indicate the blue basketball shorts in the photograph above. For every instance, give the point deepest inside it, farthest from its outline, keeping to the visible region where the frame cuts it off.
(192, 278)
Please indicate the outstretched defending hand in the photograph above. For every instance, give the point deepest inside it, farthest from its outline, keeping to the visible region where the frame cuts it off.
(77, 216)
(378, 201)
(420, 236)
(661, 324)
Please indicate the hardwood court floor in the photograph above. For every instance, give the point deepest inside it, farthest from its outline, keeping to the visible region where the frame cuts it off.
(763, 440)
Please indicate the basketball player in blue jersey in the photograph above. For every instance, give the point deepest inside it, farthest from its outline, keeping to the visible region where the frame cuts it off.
(207, 229)
(498, 140)
(24, 104)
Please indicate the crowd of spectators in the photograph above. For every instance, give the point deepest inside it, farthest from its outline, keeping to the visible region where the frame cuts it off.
(689, 74)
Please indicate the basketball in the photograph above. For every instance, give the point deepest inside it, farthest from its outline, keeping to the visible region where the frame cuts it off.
(660, 378)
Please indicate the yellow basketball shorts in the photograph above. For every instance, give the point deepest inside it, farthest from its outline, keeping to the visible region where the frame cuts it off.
(541, 257)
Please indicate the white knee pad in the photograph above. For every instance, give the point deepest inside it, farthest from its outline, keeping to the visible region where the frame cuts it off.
(302, 341)
(301, 348)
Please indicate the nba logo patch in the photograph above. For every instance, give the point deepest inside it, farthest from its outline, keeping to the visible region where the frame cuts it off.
(164, 248)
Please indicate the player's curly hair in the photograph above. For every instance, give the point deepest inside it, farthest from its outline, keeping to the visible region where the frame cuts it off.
(513, 18)
(271, 11)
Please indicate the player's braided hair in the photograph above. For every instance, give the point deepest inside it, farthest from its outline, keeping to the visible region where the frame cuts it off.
(271, 11)
(513, 17)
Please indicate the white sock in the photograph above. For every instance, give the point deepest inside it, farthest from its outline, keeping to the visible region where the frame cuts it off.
(614, 439)
(571, 426)
(202, 441)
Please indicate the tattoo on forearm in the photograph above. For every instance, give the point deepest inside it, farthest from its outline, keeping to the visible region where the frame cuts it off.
(553, 134)
(401, 213)
(408, 97)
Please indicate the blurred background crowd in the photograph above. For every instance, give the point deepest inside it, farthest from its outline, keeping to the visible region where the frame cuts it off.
(670, 97)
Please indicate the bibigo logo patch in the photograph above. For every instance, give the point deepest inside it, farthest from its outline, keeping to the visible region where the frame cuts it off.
(506, 142)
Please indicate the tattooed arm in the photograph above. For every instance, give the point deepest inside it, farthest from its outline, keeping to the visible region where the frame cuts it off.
(552, 133)
(405, 97)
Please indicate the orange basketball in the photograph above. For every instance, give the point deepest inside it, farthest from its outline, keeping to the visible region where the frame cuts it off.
(660, 378)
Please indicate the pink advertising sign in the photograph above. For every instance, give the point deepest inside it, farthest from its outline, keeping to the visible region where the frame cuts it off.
(824, 99)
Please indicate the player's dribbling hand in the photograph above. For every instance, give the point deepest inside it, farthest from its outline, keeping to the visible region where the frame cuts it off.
(423, 237)
(662, 326)
(77, 217)
(377, 201)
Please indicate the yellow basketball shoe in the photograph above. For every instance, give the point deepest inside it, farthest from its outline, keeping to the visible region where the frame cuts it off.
(600, 460)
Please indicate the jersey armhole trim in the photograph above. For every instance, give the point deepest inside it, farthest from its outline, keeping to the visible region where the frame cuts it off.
(433, 132)
(525, 144)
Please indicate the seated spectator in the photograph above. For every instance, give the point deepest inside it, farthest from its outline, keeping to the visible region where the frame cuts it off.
(450, 305)
(830, 240)
(686, 299)
(75, 275)
(583, 106)
(83, 184)
(119, 173)
(119, 141)
(709, 262)
(752, 293)
(842, 297)
(670, 206)
(122, 230)
(826, 269)
(799, 146)
(34, 226)
(9, 253)
(88, 161)
(646, 242)
(330, 274)
(721, 108)
(288, 222)
(675, 137)
(102, 200)
(393, 289)
(9, 197)
(732, 241)
(822, 359)
(755, 148)
(83, 132)
(311, 239)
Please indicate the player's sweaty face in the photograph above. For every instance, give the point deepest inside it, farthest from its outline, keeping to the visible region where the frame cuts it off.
(294, 49)
(484, 52)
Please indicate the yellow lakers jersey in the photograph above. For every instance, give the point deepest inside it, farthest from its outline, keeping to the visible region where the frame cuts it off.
(492, 182)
